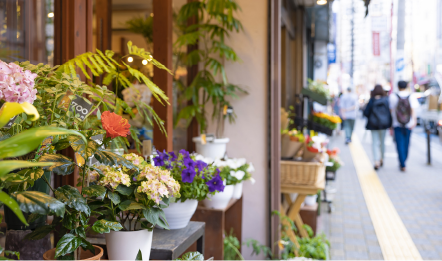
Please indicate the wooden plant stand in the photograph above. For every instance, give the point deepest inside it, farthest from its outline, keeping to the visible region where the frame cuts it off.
(219, 222)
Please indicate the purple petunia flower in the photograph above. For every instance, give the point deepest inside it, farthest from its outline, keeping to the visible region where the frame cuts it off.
(163, 155)
(185, 153)
(215, 184)
(188, 175)
(189, 163)
(201, 165)
(158, 161)
(172, 155)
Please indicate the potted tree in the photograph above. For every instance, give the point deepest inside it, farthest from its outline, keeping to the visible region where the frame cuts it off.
(197, 181)
(214, 24)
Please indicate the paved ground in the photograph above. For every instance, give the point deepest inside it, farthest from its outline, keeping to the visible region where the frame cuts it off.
(415, 194)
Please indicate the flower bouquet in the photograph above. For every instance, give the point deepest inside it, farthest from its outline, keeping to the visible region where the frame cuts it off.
(326, 120)
(314, 146)
(334, 158)
(197, 181)
(291, 142)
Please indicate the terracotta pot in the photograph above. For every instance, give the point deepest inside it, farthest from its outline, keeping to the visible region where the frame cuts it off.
(85, 255)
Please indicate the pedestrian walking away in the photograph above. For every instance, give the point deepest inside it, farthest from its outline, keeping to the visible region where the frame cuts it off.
(348, 105)
(403, 107)
(379, 120)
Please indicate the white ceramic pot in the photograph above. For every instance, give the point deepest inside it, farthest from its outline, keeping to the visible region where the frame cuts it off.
(237, 191)
(178, 214)
(310, 200)
(214, 148)
(118, 151)
(221, 199)
(124, 245)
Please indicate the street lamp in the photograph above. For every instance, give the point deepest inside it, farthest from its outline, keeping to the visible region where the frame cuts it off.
(321, 2)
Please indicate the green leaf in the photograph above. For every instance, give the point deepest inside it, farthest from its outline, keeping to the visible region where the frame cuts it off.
(40, 232)
(29, 140)
(78, 145)
(139, 255)
(7, 166)
(61, 164)
(110, 158)
(39, 202)
(79, 231)
(155, 216)
(87, 246)
(114, 197)
(67, 244)
(72, 198)
(130, 205)
(103, 226)
(192, 256)
(34, 217)
(12, 253)
(95, 191)
(12, 204)
(123, 190)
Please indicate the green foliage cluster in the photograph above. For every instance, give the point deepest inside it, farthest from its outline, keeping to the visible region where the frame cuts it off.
(226, 175)
(143, 26)
(325, 122)
(318, 87)
(215, 23)
(336, 165)
(54, 83)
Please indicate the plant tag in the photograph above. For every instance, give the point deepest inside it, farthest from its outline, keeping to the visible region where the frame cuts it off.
(229, 110)
(10, 122)
(81, 107)
(203, 139)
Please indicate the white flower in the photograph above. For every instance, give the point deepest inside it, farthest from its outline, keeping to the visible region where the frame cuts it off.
(251, 168)
(238, 174)
(252, 180)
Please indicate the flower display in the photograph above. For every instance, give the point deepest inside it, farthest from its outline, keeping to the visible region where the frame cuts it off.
(232, 170)
(134, 158)
(111, 177)
(334, 158)
(295, 135)
(316, 144)
(196, 177)
(329, 121)
(115, 125)
(16, 85)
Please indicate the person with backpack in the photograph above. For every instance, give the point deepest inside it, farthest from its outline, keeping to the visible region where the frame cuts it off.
(403, 108)
(379, 120)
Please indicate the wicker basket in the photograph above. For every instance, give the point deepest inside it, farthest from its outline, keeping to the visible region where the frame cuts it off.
(302, 173)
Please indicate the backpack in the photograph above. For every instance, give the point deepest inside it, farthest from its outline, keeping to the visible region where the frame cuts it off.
(403, 110)
(380, 117)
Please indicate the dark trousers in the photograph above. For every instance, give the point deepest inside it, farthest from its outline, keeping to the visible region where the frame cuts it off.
(402, 136)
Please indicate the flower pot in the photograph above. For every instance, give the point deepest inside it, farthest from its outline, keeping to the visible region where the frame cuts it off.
(221, 199)
(12, 220)
(124, 245)
(237, 191)
(289, 148)
(178, 214)
(214, 148)
(85, 255)
(310, 200)
(308, 155)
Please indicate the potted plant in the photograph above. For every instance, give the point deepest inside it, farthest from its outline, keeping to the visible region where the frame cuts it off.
(316, 91)
(59, 92)
(232, 172)
(135, 199)
(214, 24)
(197, 181)
(314, 146)
(291, 142)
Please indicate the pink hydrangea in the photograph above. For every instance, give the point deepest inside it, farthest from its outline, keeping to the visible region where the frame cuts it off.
(16, 85)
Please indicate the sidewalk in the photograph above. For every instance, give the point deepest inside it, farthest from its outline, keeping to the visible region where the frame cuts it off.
(415, 196)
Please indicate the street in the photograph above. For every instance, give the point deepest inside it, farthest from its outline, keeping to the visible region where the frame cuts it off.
(353, 228)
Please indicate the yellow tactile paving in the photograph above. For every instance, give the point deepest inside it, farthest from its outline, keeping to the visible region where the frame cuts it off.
(393, 237)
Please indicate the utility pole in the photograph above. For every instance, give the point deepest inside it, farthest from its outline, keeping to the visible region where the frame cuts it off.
(352, 41)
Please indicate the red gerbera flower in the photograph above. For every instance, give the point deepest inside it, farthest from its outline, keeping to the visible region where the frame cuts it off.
(114, 124)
